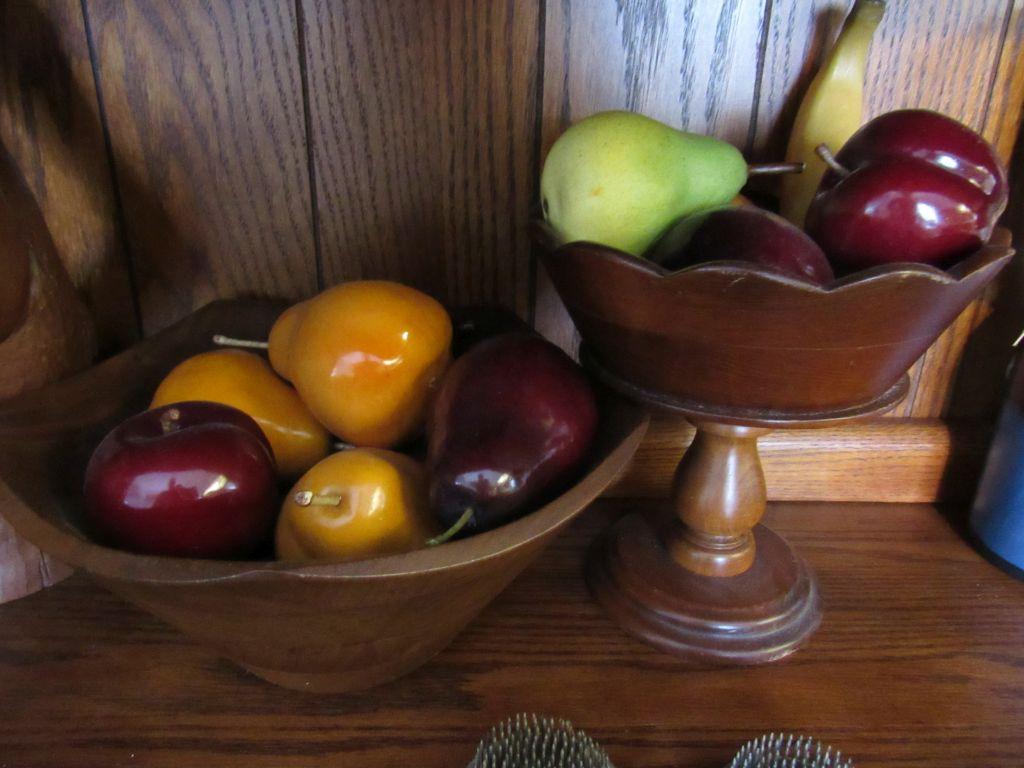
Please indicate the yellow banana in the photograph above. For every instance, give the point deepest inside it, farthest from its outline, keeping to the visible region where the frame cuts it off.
(831, 110)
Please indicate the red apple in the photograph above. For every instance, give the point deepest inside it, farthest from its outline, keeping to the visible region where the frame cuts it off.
(193, 479)
(904, 210)
(910, 186)
(933, 138)
(743, 233)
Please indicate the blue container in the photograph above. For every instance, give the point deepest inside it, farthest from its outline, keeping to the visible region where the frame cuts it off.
(997, 518)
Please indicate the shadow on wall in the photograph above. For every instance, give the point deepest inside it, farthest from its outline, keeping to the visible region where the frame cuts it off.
(50, 122)
(982, 383)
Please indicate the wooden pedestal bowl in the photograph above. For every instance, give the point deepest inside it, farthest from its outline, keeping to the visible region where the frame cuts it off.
(323, 627)
(739, 350)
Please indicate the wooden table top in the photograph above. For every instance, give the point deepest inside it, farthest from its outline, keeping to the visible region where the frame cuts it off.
(919, 662)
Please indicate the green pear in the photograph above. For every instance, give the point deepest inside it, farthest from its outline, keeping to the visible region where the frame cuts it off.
(620, 179)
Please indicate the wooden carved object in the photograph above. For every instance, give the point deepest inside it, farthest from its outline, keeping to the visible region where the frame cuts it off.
(739, 351)
(348, 625)
(46, 332)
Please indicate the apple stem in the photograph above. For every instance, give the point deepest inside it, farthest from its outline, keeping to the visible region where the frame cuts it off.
(772, 169)
(310, 499)
(829, 159)
(226, 341)
(169, 420)
(459, 525)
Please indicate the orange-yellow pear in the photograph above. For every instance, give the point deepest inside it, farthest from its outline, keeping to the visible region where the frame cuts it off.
(245, 381)
(366, 356)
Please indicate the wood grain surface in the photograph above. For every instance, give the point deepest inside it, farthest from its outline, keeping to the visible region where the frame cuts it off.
(918, 663)
(945, 55)
(898, 460)
(23, 568)
(691, 64)
(980, 383)
(204, 107)
(262, 145)
(912, 63)
(404, 140)
(423, 120)
(915, 65)
(50, 123)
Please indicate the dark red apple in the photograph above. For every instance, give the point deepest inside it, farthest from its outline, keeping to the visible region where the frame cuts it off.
(910, 186)
(934, 138)
(514, 418)
(743, 233)
(903, 211)
(193, 479)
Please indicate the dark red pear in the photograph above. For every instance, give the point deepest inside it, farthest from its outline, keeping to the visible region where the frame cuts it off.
(743, 233)
(513, 420)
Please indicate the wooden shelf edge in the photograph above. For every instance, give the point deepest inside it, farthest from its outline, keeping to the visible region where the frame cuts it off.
(882, 460)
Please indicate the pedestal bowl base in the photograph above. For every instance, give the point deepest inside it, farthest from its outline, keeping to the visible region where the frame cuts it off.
(758, 616)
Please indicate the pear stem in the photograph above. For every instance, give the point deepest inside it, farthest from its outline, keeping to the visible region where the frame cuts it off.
(310, 499)
(829, 159)
(226, 341)
(772, 169)
(459, 525)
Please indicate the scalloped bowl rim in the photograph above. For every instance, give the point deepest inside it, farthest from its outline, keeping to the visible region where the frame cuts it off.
(997, 249)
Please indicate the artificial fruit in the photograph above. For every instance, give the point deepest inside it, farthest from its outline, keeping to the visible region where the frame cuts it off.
(358, 503)
(245, 381)
(620, 179)
(192, 479)
(910, 186)
(364, 356)
(514, 418)
(743, 233)
(831, 109)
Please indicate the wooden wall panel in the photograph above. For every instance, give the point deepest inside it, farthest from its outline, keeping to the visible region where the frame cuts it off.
(423, 124)
(942, 55)
(1003, 113)
(50, 123)
(798, 34)
(692, 64)
(204, 106)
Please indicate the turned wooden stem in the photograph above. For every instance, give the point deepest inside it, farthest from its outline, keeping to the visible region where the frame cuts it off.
(719, 495)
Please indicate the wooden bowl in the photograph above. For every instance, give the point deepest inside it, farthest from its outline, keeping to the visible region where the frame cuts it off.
(323, 627)
(729, 338)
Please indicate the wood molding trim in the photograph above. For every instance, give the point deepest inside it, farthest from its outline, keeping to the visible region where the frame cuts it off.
(882, 460)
